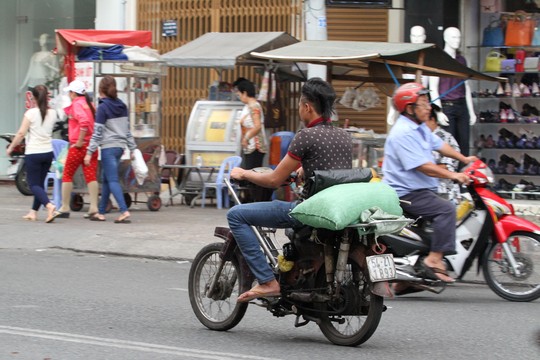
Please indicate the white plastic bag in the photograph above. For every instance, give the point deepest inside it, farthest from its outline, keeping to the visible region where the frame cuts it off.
(162, 156)
(139, 166)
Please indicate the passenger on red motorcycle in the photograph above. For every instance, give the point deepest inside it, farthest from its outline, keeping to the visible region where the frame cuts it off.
(410, 169)
(319, 146)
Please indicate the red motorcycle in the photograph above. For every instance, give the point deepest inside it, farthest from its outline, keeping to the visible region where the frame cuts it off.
(506, 247)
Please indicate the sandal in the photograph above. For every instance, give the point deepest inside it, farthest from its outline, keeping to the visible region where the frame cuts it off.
(431, 273)
(123, 219)
(97, 217)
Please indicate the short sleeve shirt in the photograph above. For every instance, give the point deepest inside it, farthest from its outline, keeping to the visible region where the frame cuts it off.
(407, 147)
(321, 146)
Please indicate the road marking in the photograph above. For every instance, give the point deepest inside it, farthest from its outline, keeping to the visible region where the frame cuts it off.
(125, 344)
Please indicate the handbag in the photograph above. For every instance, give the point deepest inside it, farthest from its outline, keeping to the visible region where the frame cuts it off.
(531, 63)
(275, 116)
(508, 65)
(519, 30)
(493, 34)
(493, 61)
(536, 37)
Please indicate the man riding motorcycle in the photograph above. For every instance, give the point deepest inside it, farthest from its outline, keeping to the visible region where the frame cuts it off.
(320, 146)
(410, 169)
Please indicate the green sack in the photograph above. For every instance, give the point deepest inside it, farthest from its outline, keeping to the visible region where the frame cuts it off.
(341, 205)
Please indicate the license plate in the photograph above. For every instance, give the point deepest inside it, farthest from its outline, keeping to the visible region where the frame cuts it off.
(381, 267)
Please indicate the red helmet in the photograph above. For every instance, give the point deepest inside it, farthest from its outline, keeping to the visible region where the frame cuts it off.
(407, 94)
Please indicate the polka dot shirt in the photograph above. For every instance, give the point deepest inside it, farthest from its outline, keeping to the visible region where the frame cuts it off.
(322, 147)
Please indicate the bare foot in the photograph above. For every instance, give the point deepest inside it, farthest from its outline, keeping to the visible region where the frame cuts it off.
(51, 213)
(31, 216)
(268, 289)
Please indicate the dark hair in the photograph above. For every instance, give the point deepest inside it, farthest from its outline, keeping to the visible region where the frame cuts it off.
(89, 102)
(244, 85)
(321, 95)
(107, 87)
(41, 93)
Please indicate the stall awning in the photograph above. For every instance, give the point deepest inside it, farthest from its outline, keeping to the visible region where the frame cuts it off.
(407, 57)
(81, 38)
(226, 50)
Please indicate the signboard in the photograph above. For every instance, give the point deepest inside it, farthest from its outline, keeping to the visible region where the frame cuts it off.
(169, 28)
(84, 71)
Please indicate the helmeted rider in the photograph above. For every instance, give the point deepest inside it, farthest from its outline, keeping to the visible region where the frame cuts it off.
(410, 169)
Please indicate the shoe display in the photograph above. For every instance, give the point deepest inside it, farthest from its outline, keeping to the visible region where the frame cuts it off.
(503, 116)
(535, 90)
(500, 91)
(507, 89)
(525, 91)
(515, 90)
(505, 136)
(489, 143)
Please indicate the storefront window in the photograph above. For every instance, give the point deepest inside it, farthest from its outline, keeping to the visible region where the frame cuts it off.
(28, 35)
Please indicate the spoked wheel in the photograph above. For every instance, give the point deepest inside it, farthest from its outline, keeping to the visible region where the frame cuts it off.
(360, 310)
(219, 310)
(502, 277)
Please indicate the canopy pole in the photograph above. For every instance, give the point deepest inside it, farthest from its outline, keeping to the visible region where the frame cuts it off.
(329, 72)
(421, 57)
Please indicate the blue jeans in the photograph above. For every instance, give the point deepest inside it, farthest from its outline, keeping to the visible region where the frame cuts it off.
(110, 162)
(272, 214)
(37, 166)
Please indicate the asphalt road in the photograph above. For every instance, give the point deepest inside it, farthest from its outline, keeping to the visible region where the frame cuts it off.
(62, 305)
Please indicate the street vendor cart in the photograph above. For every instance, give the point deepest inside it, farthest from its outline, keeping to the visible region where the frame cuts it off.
(139, 82)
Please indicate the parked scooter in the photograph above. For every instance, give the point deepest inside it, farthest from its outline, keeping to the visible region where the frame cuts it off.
(506, 247)
(16, 170)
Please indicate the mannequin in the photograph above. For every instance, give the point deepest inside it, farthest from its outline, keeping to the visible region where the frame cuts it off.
(458, 104)
(417, 35)
(43, 66)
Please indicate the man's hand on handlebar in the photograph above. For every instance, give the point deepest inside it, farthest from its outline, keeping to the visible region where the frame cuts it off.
(461, 178)
(238, 173)
(470, 159)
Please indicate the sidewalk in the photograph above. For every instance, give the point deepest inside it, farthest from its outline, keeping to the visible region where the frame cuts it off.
(173, 232)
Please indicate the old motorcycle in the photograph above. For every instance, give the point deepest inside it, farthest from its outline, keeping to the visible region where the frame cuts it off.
(337, 279)
(505, 246)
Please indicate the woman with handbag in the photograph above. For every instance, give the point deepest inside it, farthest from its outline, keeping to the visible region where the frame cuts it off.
(112, 135)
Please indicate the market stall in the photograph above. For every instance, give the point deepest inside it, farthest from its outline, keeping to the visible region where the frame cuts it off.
(138, 73)
(382, 64)
(212, 131)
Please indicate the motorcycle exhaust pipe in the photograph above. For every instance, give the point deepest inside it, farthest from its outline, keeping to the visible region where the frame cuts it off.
(404, 276)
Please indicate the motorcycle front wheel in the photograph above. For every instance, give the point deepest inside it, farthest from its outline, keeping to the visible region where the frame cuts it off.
(501, 276)
(20, 181)
(219, 311)
(351, 330)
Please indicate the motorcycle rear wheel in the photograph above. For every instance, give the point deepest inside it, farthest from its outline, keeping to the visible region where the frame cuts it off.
(500, 275)
(357, 329)
(221, 312)
(21, 183)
